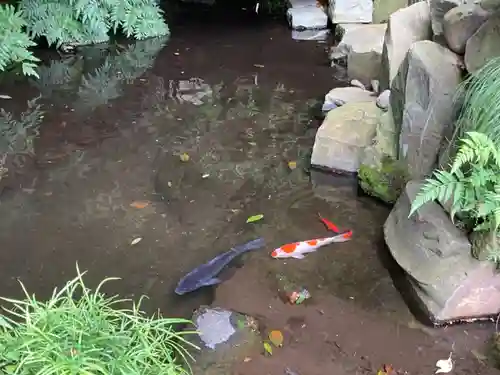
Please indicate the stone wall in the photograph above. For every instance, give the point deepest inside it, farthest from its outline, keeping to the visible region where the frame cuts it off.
(394, 124)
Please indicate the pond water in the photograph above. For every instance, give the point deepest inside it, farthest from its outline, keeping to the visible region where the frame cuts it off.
(109, 128)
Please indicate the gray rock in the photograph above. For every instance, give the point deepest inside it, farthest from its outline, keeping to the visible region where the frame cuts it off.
(460, 23)
(422, 104)
(483, 45)
(350, 11)
(225, 338)
(382, 9)
(490, 5)
(438, 9)
(345, 132)
(436, 257)
(306, 15)
(405, 26)
(383, 100)
(362, 46)
(341, 95)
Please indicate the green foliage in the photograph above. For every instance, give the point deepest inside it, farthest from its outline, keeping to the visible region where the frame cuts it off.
(481, 102)
(472, 184)
(14, 42)
(79, 331)
(90, 21)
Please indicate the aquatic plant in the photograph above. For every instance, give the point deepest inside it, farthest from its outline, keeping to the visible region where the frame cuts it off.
(79, 331)
(472, 185)
(15, 42)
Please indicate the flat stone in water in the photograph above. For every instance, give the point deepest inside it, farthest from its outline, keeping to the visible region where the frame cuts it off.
(214, 326)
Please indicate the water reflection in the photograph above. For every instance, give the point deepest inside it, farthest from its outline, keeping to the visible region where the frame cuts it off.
(112, 133)
(97, 74)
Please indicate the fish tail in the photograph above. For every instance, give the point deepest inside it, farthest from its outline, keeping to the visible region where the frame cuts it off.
(250, 245)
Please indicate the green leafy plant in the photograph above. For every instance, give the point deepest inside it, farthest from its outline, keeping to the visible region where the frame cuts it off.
(472, 185)
(15, 42)
(83, 22)
(480, 96)
(79, 331)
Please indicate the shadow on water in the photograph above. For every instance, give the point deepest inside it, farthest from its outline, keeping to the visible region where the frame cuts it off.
(107, 127)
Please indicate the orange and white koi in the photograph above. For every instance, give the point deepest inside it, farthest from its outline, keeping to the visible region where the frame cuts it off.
(298, 249)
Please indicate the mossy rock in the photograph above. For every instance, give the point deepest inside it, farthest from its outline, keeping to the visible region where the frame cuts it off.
(384, 182)
(485, 246)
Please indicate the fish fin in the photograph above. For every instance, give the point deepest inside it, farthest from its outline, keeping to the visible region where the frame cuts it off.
(298, 256)
(212, 281)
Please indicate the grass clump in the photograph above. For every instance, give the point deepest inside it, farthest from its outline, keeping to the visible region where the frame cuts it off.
(79, 331)
(480, 94)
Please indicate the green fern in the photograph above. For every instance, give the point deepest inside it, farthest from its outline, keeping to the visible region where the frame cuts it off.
(472, 184)
(15, 42)
(83, 22)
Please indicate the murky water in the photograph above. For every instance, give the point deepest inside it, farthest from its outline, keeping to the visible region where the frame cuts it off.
(109, 128)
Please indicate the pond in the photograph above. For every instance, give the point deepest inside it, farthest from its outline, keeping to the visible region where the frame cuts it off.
(176, 142)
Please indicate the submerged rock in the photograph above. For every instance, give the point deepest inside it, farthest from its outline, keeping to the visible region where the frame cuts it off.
(305, 15)
(483, 45)
(422, 104)
(380, 174)
(344, 134)
(436, 256)
(225, 338)
(405, 27)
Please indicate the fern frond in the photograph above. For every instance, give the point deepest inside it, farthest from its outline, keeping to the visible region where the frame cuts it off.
(441, 187)
(15, 43)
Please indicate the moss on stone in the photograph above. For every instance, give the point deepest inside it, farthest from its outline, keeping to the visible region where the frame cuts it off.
(384, 182)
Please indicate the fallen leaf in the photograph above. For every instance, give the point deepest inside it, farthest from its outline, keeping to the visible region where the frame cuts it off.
(444, 365)
(135, 241)
(276, 337)
(292, 165)
(268, 349)
(255, 218)
(184, 157)
(247, 359)
(139, 204)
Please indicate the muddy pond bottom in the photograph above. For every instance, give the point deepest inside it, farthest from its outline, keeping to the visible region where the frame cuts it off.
(144, 160)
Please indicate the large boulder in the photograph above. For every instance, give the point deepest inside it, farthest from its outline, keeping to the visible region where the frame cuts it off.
(405, 27)
(460, 23)
(422, 103)
(225, 338)
(380, 174)
(483, 45)
(343, 136)
(438, 10)
(382, 9)
(363, 47)
(350, 11)
(436, 256)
